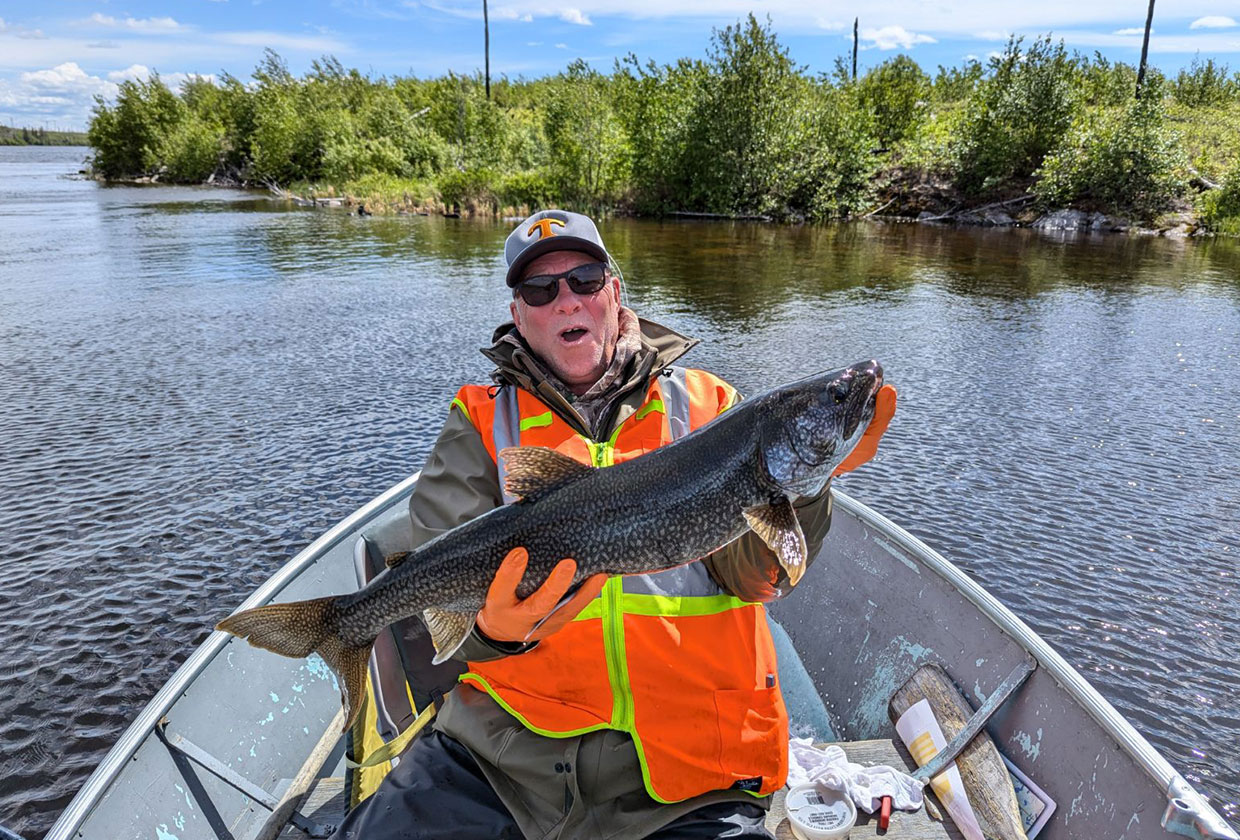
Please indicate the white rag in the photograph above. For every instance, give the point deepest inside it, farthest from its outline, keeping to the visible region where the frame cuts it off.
(865, 786)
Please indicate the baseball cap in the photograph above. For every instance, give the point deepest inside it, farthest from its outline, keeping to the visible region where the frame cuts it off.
(547, 231)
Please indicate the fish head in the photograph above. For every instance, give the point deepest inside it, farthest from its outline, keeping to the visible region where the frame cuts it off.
(816, 423)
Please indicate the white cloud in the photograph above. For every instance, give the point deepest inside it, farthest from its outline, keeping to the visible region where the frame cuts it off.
(1212, 22)
(993, 35)
(283, 41)
(1132, 30)
(893, 37)
(533, 43)
(134, 72)
(574, 16)
(161, 25)
(1207, 43)
(561, 46)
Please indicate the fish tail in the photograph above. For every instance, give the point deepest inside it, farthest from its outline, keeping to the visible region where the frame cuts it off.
(301, 628)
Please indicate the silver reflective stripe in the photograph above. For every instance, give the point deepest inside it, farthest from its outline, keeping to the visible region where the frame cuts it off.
(675, 394)
(506, 432)
(692, 580)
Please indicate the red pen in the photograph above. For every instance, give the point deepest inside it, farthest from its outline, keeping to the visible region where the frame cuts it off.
(884, 813)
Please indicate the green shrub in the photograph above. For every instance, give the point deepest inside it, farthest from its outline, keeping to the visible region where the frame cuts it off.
(127, 137)
(471, 188)
(191, 151)
(956, 84)
(740, 129)
(526, 189)
(656, 106)
(829, 175)
(586, 146)
(1220, 209)
(1104, 83)
(1204, 84)
(896, 92)
(1126, 160)
(1018, 114)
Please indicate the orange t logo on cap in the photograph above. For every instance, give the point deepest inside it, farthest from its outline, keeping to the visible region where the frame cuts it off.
(543, 226)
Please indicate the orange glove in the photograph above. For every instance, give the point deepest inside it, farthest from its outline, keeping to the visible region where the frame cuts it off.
(507, 618)
(884, 410)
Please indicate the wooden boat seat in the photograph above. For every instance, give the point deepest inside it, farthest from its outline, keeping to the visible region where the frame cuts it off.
(325, 803)
(904, 825)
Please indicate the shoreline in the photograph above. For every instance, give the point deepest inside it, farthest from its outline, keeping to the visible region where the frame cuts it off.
(1015, 213)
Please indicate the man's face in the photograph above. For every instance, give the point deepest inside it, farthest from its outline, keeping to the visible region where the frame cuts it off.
(575, 335)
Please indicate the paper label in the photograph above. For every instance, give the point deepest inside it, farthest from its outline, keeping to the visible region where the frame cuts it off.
(921, 733)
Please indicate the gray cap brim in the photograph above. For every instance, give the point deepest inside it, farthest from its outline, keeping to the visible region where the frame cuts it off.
(546, 246)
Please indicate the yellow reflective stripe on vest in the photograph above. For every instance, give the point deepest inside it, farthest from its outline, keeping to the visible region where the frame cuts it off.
(622, 714)
(653, 405)
(456, 401)
(631, 603)
(536, 422)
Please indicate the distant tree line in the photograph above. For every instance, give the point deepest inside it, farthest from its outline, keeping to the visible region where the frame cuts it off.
(10, 136)
(743, 130)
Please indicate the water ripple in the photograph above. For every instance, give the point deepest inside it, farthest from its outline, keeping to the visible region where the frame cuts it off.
(199, 383)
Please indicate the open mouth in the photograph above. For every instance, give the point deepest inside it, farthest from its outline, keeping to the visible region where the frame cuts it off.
(574, 335)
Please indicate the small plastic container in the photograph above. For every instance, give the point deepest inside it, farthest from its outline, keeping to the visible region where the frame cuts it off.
(819, 813)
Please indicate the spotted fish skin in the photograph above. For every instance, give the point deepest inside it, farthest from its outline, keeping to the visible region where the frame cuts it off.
(667, 508)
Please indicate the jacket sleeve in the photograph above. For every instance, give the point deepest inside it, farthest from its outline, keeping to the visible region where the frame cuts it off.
(748, 569)
(459, 482)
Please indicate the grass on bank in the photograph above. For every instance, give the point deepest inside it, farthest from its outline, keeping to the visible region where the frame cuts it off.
(743, 130)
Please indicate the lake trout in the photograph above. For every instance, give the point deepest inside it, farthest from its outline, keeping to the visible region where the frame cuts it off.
(667, 508)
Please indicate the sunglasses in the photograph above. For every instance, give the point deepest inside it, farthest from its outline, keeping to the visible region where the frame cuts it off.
(541, 289)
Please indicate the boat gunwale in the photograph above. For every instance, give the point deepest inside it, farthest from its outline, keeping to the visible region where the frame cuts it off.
(1198, 811)
(71, 819)
(1210, 824)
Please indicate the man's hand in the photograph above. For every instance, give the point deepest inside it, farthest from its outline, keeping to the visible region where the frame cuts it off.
(884, 410)
(507, 618)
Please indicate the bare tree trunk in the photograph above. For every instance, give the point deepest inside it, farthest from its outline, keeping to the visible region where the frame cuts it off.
(855, 47)
(486, 35)
(1145, 48)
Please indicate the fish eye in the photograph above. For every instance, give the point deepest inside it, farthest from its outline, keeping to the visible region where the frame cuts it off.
(837, 391)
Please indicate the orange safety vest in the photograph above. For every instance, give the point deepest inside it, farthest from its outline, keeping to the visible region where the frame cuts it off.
(686, 669)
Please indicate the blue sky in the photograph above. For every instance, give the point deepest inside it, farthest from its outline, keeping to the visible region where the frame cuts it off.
(56, 55)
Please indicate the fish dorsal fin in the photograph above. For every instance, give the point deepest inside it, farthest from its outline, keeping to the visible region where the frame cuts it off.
(777, 525)
(449, 630)
(536, 470)
(396, 558)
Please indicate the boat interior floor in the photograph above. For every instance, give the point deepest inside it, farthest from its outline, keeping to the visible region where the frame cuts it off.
(325, 803)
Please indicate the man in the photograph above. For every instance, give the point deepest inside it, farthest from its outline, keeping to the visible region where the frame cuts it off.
(642, 706)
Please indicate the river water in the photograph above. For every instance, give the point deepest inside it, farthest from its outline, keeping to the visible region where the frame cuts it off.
(196, 383)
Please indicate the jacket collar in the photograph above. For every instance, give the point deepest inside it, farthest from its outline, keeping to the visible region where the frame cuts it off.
(516, 364)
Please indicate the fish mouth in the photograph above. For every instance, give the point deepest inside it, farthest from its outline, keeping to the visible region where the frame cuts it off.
(867, 379)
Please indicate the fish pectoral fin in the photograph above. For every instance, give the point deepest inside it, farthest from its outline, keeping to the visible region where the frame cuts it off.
(535, 470)
(449, 630)
(777, 525)
(396, 558)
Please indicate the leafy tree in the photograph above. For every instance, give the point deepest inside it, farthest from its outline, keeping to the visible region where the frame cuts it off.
(896, 92)
(1205, 83)
(1127, 161)
(1019, 113)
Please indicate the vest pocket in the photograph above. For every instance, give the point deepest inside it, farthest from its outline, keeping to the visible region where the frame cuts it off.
(750, 736)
